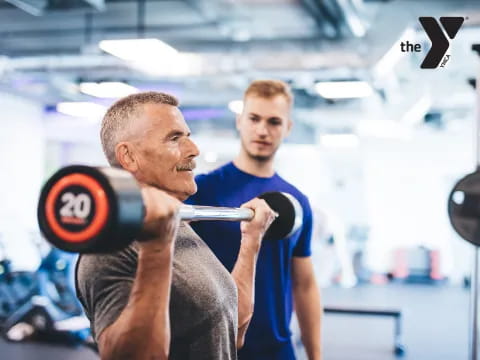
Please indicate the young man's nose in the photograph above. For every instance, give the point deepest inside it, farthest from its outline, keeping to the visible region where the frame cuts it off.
(261, 129)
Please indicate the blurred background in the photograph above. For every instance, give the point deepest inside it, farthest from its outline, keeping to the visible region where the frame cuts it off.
(377, 144)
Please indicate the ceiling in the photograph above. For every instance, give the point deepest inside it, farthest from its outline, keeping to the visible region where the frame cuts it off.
(48, 46)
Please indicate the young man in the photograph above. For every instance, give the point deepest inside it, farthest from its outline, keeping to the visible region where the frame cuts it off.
(166, 296)
(284, 266)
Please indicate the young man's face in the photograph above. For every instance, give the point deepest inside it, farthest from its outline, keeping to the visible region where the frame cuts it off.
(263, 124)
(165, 151)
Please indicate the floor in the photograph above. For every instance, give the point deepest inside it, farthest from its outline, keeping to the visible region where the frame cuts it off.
(435, 326)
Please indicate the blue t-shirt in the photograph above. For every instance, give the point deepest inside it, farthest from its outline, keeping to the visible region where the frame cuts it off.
(269, 330)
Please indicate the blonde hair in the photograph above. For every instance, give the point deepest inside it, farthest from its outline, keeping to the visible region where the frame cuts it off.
(119, 115)
(268, 89)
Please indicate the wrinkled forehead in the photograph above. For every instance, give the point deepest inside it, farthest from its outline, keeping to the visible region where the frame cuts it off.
(160, 119)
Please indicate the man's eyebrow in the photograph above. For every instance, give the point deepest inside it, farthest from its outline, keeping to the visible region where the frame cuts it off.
(275, 118)
(176, 133)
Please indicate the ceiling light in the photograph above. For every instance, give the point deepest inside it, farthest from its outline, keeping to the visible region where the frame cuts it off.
(236, 106)
(82, 109)
(107, 90)
(343, 89)
(137, 49)
(339, 140)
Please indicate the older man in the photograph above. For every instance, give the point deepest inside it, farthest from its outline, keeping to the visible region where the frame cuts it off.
(166, 296)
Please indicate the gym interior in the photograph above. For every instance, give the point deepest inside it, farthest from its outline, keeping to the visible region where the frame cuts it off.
(385, 130)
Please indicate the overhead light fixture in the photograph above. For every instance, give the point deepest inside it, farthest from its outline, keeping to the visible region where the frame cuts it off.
(339, 140)
(87, 110)
(181, 64)
(343, 89)
(138, 49)
(236, 106)
(107, 89)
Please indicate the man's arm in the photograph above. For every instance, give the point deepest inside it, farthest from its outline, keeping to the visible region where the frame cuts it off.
(142, 331)
(308, 306)
(244, 270)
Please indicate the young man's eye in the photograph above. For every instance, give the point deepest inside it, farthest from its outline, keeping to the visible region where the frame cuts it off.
(254, 118)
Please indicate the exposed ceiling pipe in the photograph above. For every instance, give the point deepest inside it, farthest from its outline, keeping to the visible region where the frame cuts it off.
(40, 7)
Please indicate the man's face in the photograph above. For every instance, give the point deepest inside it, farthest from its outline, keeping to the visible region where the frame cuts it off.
(263, 124)
(164, 150)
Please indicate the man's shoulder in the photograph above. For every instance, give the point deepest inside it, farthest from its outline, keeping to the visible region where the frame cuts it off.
(286, 186)
(213, 176)
(92, 265)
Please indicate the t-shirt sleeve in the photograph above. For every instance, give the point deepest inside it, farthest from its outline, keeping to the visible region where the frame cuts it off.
(104, 283)
(303, 247)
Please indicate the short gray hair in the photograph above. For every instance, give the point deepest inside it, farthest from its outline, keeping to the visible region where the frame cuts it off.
(119, 115)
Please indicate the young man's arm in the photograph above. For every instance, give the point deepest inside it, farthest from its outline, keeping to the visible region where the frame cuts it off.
(244, 270)
(308, 307)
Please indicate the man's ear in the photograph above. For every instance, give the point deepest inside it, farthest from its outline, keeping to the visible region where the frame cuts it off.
(125, 155)
(237, 121)
(289, 126)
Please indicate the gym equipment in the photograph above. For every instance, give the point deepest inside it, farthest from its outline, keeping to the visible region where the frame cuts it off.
(87, 209)
(464, 214)
(396, 314)
(464, 207)
(51, 311)
(16, 287)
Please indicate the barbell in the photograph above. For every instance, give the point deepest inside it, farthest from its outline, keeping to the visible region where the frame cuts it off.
(87, 209)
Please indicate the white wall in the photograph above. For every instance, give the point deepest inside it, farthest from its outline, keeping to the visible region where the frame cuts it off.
(21, 176)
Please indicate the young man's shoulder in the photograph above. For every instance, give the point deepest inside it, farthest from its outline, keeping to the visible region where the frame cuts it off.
(292, 189)
(215, 175)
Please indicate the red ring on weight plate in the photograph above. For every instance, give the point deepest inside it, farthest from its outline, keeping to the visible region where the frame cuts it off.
(101, 204)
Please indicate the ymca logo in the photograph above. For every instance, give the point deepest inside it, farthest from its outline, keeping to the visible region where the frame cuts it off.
(439, 39)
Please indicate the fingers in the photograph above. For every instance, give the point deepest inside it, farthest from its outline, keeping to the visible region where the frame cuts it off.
(262, 210)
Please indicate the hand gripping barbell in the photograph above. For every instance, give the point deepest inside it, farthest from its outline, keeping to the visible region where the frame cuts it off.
(100, 209)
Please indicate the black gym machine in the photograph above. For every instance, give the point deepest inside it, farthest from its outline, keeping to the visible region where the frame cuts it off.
(42, 304)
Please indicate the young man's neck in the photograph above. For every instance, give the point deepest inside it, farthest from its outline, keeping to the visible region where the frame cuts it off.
(254, 167)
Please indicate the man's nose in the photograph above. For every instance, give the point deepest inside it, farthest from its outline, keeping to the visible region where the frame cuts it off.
(261, 128)
(192, 149)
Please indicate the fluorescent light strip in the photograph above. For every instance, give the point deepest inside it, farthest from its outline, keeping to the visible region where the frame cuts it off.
(87, 110)
(343, 89)
(138, 49)
(107, 90)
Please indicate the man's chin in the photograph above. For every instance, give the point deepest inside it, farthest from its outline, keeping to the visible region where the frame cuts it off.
(261, 157)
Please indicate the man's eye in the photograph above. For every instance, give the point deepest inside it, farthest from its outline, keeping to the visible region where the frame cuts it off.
(175, 138)
(253, 118)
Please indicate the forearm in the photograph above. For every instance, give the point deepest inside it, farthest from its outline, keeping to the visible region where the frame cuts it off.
(309, 312)
(244, 276)
(143, 330)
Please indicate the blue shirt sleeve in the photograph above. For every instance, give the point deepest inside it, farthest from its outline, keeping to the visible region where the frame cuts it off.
(303, 247)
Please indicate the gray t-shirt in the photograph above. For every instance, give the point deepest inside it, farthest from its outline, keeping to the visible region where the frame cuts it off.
(203, 300)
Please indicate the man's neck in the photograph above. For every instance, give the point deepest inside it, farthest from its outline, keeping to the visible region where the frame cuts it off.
(254, 167)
